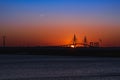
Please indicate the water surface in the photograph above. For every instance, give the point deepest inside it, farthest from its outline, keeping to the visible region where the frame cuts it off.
(37, 67)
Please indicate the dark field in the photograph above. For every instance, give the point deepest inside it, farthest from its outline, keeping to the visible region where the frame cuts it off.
(61, 51)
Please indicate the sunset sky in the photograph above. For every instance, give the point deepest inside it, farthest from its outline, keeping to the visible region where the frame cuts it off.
(54, 22)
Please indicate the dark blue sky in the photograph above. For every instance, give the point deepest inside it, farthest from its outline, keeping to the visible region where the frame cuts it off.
(60, 7)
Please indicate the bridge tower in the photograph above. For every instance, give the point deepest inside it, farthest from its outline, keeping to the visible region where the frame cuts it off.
(74, 40)
(85, 42)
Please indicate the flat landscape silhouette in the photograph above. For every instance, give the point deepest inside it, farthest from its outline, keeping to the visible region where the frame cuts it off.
(63, 51)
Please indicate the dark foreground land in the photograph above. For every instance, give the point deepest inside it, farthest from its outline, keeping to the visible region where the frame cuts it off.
(62, 51)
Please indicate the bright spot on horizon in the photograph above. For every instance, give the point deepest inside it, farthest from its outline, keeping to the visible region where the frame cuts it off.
(72, 46)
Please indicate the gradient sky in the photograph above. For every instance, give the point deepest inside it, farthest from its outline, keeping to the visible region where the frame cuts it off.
(54, 22)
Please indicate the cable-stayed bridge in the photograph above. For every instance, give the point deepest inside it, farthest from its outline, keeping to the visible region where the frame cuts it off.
(85, 43)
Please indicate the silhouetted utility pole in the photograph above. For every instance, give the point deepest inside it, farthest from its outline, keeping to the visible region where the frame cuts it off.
(100, 40)
(4, 41)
